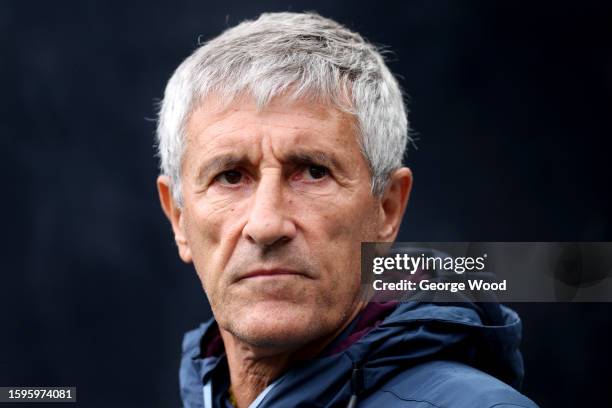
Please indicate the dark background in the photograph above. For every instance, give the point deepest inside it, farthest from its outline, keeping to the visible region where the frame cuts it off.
(510, 101)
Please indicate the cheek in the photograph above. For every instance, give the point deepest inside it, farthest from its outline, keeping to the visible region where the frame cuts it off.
(347, 223)
(212, 232)
(336, 232)
(218, 220)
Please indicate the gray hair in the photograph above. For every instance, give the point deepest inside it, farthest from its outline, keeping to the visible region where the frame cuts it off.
(297, 55)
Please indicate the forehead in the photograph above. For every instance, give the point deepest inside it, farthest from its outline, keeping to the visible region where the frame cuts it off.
(214, 126)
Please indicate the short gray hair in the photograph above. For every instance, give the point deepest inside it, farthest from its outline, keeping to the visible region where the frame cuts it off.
(297, 55)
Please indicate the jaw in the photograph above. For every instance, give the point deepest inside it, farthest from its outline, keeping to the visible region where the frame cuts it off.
(279, 323)
(286, 324)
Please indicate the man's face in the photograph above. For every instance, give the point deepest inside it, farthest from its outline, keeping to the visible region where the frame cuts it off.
(276, 204)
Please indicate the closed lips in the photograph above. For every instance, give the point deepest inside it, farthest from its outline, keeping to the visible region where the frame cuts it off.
(270, 272)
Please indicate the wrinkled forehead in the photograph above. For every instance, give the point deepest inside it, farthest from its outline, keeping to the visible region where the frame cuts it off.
(215, 123)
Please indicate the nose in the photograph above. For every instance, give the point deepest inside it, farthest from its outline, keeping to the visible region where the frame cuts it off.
(268, 221)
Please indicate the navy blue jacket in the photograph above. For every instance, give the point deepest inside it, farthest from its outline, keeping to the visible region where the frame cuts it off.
(422, 355)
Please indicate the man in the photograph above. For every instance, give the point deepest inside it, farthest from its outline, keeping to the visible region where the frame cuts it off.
(281, 145)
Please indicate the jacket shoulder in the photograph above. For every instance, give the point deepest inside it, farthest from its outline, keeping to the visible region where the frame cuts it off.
(446, 384)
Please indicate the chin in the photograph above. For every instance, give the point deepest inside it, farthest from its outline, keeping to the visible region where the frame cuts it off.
(285, 325)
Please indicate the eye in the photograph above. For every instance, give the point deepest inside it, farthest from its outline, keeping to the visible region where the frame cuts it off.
(229, 177)
(315, 172)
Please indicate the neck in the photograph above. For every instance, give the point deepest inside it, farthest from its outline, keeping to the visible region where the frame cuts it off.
(253, 368)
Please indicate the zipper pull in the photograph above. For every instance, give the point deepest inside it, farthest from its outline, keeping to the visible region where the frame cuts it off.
(356, 385)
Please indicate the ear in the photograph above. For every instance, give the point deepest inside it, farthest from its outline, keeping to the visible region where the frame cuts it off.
(393, 203)
(175, 216)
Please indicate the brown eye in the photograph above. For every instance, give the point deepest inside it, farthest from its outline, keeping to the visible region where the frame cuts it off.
(317, 172)
(230, 177)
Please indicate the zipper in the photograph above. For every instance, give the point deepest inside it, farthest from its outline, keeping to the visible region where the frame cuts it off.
(356, 385)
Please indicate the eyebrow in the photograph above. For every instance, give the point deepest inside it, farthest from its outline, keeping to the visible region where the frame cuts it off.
(226, 161)
(314, 157)
(219, 163)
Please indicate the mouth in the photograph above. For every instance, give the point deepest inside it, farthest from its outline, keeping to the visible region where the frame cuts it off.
(271, 273)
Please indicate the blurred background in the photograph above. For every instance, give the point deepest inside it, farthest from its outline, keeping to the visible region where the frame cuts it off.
(510, 102)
